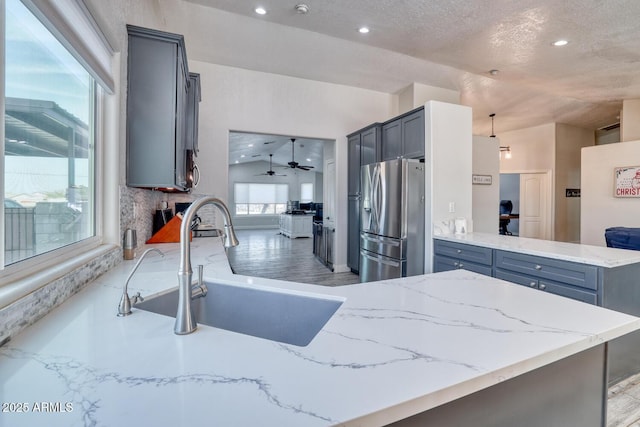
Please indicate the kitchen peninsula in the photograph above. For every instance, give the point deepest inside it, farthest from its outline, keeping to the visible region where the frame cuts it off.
(597, 275)
(421, 347)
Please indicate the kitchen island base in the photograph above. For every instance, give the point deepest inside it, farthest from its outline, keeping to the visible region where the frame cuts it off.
(570, 392)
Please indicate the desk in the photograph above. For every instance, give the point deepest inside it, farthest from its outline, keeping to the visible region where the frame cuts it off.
(504, 220)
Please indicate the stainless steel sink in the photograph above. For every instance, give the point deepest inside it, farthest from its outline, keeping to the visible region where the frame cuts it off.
(273, 314)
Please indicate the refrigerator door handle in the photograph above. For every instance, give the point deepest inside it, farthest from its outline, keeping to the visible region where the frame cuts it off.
(381, 260)
(375, 184)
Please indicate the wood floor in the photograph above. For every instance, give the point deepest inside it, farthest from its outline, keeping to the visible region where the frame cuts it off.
(266, 253)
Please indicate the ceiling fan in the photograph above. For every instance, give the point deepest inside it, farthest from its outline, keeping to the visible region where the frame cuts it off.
(270, 172)
(293, 164)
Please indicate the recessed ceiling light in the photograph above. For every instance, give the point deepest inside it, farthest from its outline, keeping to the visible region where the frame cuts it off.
(260, 10)
(308, 160)
(363, 30)
(302, 8)
(250, 145)
(242, 156)
(237, 161)
(560, 43)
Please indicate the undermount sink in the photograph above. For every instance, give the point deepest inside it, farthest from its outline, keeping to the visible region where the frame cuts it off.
(273, 314)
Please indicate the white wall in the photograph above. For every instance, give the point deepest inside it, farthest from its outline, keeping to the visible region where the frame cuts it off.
(531, 149)
(630, 120)
(417, 94)
(600, 210)
(448, 164)
(486, 198)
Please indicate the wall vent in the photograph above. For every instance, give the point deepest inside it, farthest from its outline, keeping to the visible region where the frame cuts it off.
(610, 127)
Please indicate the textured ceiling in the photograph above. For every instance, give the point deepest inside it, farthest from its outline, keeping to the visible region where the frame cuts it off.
(450, 44)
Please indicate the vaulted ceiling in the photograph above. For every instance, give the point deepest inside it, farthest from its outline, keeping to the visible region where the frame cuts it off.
(452, 44)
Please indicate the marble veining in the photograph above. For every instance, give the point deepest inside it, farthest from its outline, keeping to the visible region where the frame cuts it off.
(407, 344)
(585, 254)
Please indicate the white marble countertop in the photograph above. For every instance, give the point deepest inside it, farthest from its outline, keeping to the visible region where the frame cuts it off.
(393, 349)
(584, 254)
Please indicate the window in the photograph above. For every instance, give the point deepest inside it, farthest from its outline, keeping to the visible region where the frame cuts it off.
(49, 139)
(260, 199)
(306, 192)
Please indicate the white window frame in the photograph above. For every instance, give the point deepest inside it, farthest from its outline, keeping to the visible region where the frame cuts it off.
(49, 264)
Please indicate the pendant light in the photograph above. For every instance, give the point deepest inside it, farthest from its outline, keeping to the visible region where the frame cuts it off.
(493, 135)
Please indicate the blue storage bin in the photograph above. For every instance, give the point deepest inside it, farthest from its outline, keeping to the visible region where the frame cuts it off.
(623, 238)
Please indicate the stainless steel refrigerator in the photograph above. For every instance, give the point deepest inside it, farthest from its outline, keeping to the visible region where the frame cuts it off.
(392, 219)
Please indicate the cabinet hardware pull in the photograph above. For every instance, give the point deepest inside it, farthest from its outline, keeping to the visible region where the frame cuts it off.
(538, 267)
(455, 264)
(532, 284)
(461, 265)
(459, 251)
(543, 287)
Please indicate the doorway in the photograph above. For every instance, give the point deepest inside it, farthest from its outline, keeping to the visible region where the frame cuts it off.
(530, 195)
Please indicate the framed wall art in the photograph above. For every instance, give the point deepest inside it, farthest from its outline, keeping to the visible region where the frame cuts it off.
(626, 181)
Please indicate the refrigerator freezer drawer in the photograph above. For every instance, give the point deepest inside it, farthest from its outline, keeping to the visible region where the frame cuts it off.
(378, 267)
(387, 246)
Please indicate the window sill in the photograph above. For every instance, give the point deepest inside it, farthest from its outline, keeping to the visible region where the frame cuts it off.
(20, 288)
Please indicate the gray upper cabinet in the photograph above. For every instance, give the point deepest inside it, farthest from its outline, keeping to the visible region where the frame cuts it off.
(193, 108)
(404, 136)
(157, 95)
(370, 145)
(392, 140)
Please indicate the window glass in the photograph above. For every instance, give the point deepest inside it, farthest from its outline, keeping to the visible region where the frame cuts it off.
(49, 141)
(260, 199)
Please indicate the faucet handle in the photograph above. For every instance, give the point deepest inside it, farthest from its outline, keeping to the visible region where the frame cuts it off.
(136, 299)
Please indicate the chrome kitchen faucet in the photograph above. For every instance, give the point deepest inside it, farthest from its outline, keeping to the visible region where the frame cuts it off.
(185, 321)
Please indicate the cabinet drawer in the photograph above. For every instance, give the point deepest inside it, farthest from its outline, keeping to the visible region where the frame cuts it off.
(579, 294)
(464, 252)
(442, 263)
(584, 276)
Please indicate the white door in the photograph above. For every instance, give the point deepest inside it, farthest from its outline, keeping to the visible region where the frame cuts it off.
(535, 206)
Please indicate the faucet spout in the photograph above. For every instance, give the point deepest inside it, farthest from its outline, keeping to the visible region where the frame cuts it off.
(124, 307)
(185, 321)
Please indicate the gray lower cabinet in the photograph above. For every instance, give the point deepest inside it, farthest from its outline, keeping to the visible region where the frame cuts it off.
(569, 279)
(453, 256)
(404, 136)
(615, 288)
(157, 91)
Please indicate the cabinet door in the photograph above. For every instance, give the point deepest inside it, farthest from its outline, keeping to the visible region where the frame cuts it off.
(151, 103)
(392, 140)
(193, 109)
(353, 187)
(353, 236)
(370, 146)
(181, 124)
(413, 135)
